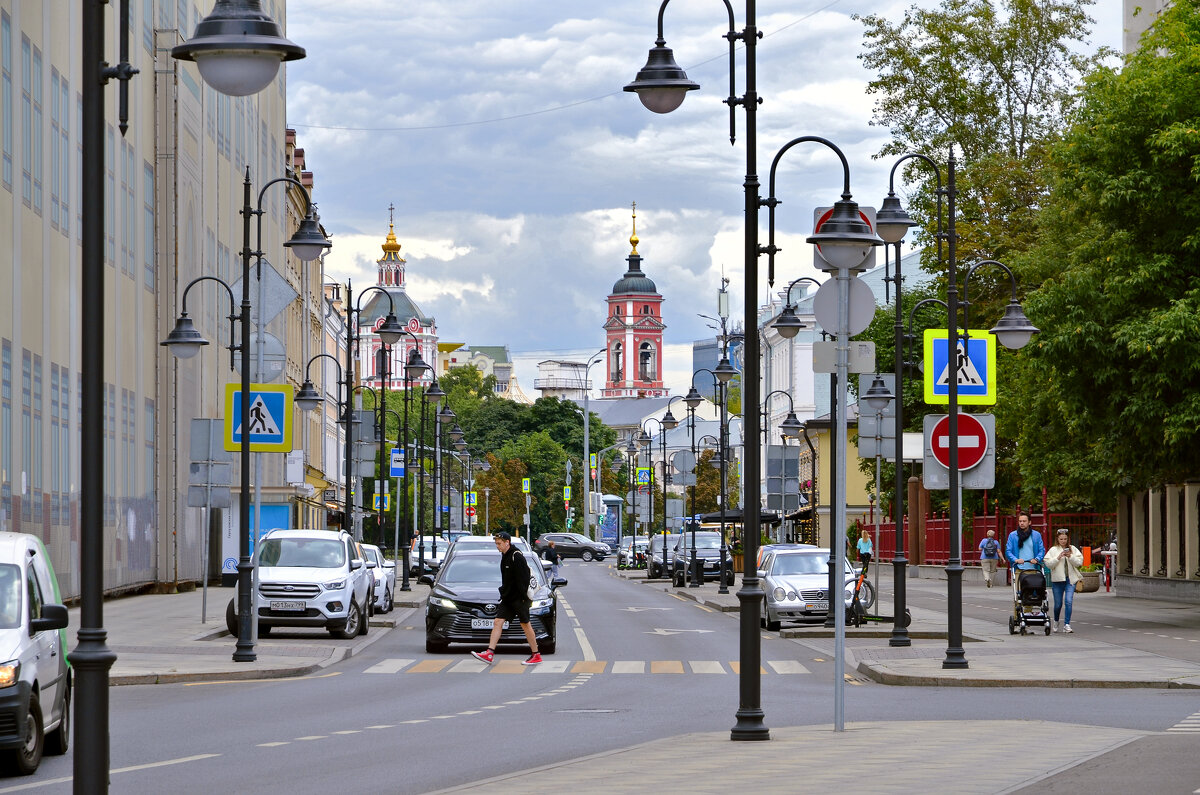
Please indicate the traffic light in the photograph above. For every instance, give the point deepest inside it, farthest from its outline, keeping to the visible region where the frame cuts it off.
(570, 517)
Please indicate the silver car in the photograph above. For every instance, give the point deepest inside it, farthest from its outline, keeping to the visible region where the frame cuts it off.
(385, 578)
(796, 583)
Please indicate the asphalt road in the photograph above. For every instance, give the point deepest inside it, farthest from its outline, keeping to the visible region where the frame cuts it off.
(375, 723)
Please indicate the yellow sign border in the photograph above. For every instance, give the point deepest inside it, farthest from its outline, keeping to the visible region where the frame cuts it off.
(284, 446)
(986, 399)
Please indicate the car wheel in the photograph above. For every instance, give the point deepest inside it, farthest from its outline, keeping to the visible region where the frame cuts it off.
(387, 601)
(365, 623)
(231, 619)
(350, 629)
(548, 646)
(59, 740)
(25, 760)
(264, 630)
(434, 647)
(586, 555)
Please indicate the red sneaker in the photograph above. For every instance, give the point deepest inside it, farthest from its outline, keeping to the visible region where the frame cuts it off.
(487, 656)
(534, 659)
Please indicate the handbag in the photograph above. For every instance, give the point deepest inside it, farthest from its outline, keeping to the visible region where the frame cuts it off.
(532, 590)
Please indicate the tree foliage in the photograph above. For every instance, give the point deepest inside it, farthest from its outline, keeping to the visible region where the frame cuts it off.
(1113, 397)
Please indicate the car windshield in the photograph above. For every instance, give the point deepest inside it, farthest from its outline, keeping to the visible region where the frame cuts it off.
(702, 542)
(317, 553)
(10, 596)
(802, 564)
(476, 569)
(373, 554)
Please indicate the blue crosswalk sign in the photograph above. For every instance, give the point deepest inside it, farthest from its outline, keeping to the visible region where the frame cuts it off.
(270, 420)
(976, 363)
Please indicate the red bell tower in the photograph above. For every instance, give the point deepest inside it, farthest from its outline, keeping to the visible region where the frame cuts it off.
(634, 331)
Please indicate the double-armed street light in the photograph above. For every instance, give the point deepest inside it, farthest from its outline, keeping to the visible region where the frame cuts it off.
(1012, 331)
(415, 364)
(587, 441)
(721, 376)
(667, 423)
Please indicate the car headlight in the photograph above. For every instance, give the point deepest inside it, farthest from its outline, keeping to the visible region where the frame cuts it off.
(540, 603)
(778, 594)
(792, 595)
(438, 601)
(334, 585)
(9, 673)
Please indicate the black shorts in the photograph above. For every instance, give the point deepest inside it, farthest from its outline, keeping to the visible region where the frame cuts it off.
(519, 611)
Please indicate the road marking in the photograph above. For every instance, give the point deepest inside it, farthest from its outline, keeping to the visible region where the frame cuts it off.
(666, 667)
(390, 666)
(471, 712)
(552, 667)
(383, 726)
(662, 631)
(441, 717)
(495, 706)
(508, 667)
(469, 666)
(589, 666)
(788, 667)
(312, 737)
(349, 731)
(429, 666)
(588, 654)
(706, 667)
(272, 745)
(736, 665)
(706, 609)
(629, 667)
(644, 609)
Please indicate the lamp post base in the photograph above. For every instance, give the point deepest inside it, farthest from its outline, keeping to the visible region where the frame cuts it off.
(956, 655)
(244, 650)
(900, 607)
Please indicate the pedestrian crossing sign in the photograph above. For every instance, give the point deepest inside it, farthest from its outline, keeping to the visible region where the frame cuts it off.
(976, 362)
(270, 425)
(382, 502)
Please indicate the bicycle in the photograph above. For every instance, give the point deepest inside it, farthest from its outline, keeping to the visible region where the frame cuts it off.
(864, 596)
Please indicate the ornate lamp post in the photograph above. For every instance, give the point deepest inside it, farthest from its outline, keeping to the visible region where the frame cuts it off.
(631, 452)
(414, 365)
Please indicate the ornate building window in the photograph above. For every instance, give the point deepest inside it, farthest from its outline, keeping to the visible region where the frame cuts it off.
(647, 366)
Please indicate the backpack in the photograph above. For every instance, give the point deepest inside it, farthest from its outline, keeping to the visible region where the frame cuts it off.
(991, 546)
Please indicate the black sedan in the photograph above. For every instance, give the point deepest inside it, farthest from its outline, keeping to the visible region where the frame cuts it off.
(465, 596)
(573, 545)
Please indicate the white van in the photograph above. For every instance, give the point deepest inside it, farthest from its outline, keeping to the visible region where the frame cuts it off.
(35, 679)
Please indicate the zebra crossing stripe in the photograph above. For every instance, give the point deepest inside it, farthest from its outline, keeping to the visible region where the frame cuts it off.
(1188, 725)
(585, 668)
(391, 666)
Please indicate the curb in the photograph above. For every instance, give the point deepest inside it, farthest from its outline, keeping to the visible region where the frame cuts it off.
(885, 677)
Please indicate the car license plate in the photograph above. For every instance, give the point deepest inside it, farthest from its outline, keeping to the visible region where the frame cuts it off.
(817, 606)
(287, 606)
(711, 565)
(484, 623)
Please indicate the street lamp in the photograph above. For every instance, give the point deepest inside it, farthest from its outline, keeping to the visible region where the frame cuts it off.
(668, 422)
(693, 400)
(845, 241)
(433, 394)
(631, 452)
(91, 657)
(237, 48)
(307, 243)
(414, 365)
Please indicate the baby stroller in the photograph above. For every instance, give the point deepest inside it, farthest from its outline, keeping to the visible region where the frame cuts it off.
(1030, 608)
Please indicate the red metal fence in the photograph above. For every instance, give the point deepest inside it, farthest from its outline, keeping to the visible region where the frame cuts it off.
(1088, 531)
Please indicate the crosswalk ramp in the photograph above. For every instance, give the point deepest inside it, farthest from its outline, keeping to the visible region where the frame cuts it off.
(553, 666)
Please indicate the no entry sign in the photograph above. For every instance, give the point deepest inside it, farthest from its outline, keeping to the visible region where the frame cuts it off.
(972, 441)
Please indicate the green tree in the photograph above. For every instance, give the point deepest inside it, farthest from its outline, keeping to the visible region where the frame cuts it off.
(1113, 402)
(545, 461)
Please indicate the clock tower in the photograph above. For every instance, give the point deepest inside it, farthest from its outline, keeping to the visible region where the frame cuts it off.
(634, 330)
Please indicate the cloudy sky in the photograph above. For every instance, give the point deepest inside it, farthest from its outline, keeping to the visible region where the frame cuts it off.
(501, 134)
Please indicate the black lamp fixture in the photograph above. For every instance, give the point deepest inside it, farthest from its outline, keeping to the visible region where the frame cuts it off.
(307, 398)
(238, 48)
(725, 372)
(693, 398)
(788, 325)
(877, 395)
(661, 84)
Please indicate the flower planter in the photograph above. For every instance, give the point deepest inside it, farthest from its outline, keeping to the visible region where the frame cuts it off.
(1089, 583)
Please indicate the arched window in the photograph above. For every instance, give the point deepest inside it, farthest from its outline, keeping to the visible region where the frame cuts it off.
(615, 369)
(647, 366)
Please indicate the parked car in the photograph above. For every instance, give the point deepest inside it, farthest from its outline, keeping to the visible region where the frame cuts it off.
(633, 551)
(656, 565)
(385, 578)
(435, 548)
(765, 548)
(572, 545)
(796, 583)
(465, 595)
(35, 682)
(708, 551)
(310, 578)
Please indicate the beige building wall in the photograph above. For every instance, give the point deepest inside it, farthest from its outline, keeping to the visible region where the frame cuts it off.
(173, 192)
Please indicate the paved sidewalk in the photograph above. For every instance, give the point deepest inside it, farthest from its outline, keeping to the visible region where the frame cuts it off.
(995, 658)
(160, 638)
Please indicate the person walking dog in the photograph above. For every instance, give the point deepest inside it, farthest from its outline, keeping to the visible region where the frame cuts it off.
(514, 600)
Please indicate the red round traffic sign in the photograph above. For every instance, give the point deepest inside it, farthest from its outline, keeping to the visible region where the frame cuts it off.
(972, 441)
(470, 510)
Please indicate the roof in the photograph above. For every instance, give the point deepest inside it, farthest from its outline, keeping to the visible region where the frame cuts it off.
(497, 353)
(624, 412)
(377, 306)
(634, 281)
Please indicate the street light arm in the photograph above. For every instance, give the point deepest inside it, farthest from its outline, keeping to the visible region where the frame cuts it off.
(303, 191)
(331, 357)
(787, 299)
(772, 202)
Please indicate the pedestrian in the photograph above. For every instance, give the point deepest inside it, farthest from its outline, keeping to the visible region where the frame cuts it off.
(865, 548)
(989, 557)
(514, 600)
(1024, 548)
(1063, 559)
(553, 558)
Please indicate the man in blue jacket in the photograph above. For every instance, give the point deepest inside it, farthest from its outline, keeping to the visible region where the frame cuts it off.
(1024, 548)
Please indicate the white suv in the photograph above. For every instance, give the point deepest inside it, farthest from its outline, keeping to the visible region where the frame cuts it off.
(311, 578)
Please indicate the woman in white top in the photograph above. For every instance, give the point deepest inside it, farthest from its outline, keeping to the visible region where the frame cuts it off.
(1063, 560)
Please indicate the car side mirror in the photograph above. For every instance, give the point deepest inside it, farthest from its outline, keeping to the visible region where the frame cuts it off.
(53, 617)
(389, 564)
(371, 564)
(425, 579)
(355, 564)
(558, 582)
(761, 574)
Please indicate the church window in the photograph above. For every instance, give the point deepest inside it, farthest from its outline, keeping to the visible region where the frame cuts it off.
(616, 362)
(647, 366)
